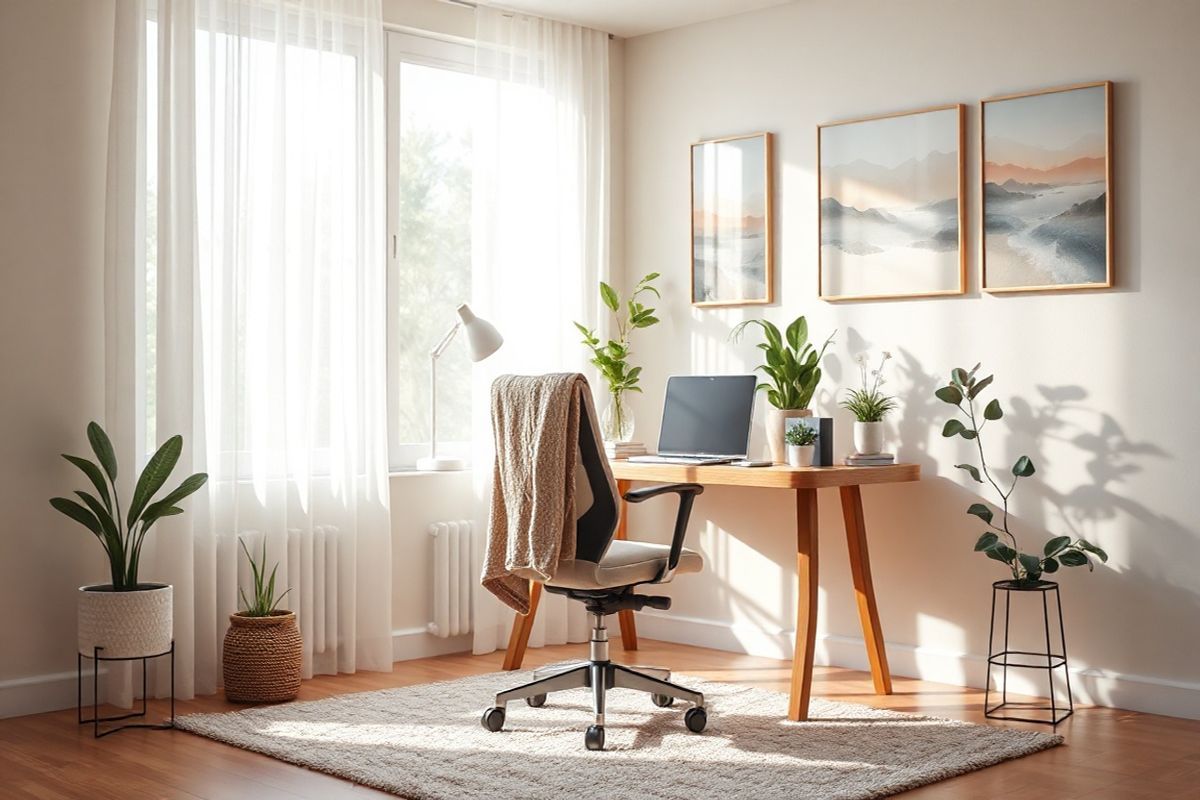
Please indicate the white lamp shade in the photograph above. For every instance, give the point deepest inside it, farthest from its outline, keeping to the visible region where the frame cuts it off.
(482, 337)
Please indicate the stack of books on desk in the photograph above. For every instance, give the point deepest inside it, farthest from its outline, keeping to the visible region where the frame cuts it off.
(624, 449)
(877, 460)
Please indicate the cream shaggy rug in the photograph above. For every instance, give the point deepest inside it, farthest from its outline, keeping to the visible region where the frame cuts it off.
(425, 742)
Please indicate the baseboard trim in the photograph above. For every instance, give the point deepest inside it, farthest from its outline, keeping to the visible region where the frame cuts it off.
(410, 643)
(1089, 686)
(37, 694)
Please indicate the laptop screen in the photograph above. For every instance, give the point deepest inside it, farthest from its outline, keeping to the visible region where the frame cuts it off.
(707, 415)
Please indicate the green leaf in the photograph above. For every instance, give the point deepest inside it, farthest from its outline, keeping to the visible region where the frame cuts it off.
(646, 322)
(993, 410)
(1056, 544)
(77, 513)
(972, 469)
(1002, 553)
(981, 511)
(797, 333)
(986, 541)
(587, 332)
(952, 427)
(959, 377)
(1073, 558)
(979, 387)
(107, 524)
(1023, 468)
(157, 470)
(1050, 564)
(609, 296)
(650, 277)
(1091, 548)
(94, 475)
(1032, 564)
(968, 433)
(949, 394)
(102, 447)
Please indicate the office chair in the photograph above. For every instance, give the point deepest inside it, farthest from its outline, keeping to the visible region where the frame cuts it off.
(602, 576)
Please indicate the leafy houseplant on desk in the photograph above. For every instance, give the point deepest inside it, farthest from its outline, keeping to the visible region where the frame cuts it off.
(125, 617)
(869, 406)
(612, 357)
(801, 445)
(998, 542)
(793, 365)
(263, 655)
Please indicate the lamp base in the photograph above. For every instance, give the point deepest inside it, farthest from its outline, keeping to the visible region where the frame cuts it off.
(440, 464)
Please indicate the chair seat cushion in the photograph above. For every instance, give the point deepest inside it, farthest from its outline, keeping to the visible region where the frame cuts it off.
(625, 563)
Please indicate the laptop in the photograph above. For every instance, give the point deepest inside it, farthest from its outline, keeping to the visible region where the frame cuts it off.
(706, 420)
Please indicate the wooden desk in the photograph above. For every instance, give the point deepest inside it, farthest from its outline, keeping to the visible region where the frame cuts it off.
(804, 482)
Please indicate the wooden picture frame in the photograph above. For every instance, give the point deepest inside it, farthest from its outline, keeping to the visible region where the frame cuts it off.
(715, 281)
(1082, 210)
(953, 269)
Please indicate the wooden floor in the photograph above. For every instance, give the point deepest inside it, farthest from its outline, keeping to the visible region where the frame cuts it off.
(1109, 753)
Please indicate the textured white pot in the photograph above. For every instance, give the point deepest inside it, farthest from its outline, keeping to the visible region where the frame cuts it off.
(776, 422)
(125, 624)
(868, 438)
(800, 455)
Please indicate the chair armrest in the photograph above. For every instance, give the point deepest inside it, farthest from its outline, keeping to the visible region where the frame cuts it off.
(687, 495)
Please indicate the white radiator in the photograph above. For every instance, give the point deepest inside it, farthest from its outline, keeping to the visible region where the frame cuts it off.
(451, 578)
(312, 577)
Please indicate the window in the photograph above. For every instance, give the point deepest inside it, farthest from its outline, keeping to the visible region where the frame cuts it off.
(430, 89)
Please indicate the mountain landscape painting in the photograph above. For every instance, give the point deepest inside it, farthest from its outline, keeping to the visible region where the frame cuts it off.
(891, 194)
(731, 221)
(1046, 202)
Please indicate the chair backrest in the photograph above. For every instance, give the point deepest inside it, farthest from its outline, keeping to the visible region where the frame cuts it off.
(595, 521)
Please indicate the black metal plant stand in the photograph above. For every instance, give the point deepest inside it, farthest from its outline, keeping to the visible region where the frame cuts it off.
(96, 719)
(1027, 659)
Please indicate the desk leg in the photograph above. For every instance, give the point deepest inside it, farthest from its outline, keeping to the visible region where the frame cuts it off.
(629, 637)
(806, 603)
(518, 640)
(860, 569)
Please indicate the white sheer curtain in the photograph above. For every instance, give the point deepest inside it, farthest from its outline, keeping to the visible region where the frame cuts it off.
(250, 134)
(540, 233)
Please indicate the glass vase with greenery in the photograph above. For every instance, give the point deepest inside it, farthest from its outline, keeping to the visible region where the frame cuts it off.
(123, 534)
(998, 542)
(612, 357)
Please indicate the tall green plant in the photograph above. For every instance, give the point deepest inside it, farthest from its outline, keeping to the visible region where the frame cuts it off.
(265, 602)
(122, 535)
(793, 365)
(998, 542)
(612, 357)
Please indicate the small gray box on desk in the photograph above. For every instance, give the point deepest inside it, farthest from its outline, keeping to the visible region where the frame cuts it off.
(823, 456)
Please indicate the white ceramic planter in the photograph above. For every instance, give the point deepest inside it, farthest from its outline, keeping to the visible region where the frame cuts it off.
(125, 624)
(776, 422)
(868, 438)
(800, 455)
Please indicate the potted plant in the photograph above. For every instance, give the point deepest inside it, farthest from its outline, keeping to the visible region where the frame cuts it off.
(125, 617)
(801, 445)
(612, 357)
(263, 655)
(793, 366)
(998, 542)
(869, 406)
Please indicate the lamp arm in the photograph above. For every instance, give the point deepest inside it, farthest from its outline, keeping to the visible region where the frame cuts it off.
(434, 355)
(445, 341)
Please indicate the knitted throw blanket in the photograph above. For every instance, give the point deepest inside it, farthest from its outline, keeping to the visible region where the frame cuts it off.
(536, 424)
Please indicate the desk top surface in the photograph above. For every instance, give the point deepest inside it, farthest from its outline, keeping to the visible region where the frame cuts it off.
(777, 477)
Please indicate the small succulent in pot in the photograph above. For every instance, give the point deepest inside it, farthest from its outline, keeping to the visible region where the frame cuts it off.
(998, 542)
(263, 652)
(801, 445)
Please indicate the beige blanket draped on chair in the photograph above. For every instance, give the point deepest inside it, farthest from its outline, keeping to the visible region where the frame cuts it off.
(536, 424)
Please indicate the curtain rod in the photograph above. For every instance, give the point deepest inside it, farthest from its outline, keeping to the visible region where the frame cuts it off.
(473, 6)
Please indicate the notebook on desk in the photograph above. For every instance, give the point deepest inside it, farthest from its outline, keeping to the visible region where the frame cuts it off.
(706, 420)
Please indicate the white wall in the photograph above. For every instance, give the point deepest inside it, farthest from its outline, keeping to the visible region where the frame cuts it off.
(1100, 387)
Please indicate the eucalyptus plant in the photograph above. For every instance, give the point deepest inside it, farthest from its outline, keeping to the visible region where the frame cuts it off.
(793, 365)
(998, 542)
(612, 357)
(122, 535)
(265, 602)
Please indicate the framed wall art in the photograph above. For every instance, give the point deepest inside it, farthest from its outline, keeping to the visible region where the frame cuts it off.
(1046, 189)
(732, 252)
(890, 189)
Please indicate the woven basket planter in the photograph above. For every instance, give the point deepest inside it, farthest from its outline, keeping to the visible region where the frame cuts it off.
(262, 658)
(125, 624)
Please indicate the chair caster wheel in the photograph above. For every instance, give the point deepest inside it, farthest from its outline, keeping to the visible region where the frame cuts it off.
(695, 719)
(537, 701)
(493, 719)
(662, 700)
(594, 738)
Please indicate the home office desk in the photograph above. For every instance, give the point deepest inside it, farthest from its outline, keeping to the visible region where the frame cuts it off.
(803, 482)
